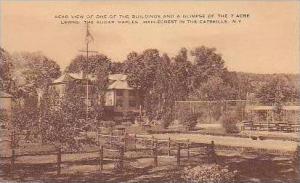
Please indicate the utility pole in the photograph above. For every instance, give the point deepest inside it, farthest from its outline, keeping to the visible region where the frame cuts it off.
(88, 39)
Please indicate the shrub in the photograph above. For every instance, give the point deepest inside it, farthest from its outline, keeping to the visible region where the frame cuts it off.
(217, 112)
(209, 174)
(189, 120)
(229, 123)
(167, 119)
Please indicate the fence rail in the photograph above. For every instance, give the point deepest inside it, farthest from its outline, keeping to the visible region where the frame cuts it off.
(156, 147)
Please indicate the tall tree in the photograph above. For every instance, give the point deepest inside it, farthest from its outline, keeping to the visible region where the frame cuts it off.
(141, 67)
(208, 63)
(79, 63)
(182, 73)
(148, 72)
(210, 76)
(277, 91)
(34, 72)
(5, 70)
(117, 67)
(100, 66)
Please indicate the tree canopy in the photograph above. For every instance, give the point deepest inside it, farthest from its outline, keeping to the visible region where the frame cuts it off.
(5, 70)
(277, 91)
(95, 63)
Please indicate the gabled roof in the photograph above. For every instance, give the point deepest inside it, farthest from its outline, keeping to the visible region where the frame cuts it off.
(72, 76)
(120, 85)
(62, 79)
(119, 81)
(120, 77)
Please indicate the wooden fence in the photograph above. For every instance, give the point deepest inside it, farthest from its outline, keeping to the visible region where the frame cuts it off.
(130, 143)
(271, 126)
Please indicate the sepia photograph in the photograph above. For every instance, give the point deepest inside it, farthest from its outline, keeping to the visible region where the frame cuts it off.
(149, 91)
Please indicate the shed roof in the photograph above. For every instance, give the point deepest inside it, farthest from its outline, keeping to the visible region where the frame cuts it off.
(117, 81)
(72, 76)
(5, 95)
(121, 77)
(262, 108)
(120, 84)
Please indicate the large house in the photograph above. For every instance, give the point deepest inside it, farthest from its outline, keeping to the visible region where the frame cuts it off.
(120, 98)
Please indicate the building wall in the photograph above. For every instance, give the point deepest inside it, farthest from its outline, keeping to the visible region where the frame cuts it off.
(125, 101)
(110, 98)
(120, 100)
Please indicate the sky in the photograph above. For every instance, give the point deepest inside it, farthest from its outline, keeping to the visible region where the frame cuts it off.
(265, 42)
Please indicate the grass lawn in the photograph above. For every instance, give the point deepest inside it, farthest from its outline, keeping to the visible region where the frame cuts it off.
(85, 168)
(278, 145)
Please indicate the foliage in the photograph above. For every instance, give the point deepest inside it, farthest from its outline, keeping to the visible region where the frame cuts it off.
(35, 69)
(117, 67)
(229, 122)
(33, 72)
(95, 62)
(217, 111)
(182, 75)
(167, 118)
(214, 89)
(3, 118)
(207, 64)
(100, 66)
(155, 93)
(189, 120)
(209, 174)
(277, 91)
(62, 116)
(5, 70)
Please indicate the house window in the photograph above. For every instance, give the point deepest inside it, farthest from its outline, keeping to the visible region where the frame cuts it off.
(119, 93)
(119, 103)
(132, 103)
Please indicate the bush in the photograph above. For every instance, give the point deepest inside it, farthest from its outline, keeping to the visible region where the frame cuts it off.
(189, 120)
(229, 123)
(167, 119)
(209, 174)
(216, 112)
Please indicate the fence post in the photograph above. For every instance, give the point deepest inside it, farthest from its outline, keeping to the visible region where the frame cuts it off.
(110, 139)
(155, 155)
(178, 154)
(121, 159)
(125, 141)
(153, 143)
(169, 147)
(211, 152)
(98, 138)
(59, 161)
(12, 162)
(188, 149)
(135, 141)
(101, 158)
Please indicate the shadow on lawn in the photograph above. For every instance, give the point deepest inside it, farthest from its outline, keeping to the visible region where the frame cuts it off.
(252, 168)
(263, 168)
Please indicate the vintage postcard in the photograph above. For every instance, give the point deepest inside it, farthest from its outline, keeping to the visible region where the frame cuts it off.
(149, 91)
